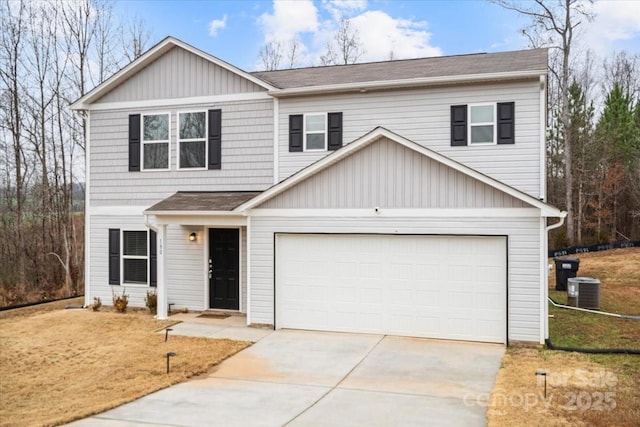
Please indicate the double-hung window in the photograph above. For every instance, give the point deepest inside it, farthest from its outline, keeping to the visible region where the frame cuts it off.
(155, 141)
(315, 132)
(192, 140)
(135, 257)
(482, 119)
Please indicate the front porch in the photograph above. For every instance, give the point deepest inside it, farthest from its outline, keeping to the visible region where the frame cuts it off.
(201, 251)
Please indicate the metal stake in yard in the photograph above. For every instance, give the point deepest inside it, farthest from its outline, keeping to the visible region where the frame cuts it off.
(169, 355)
(166, 334)
(544, 374)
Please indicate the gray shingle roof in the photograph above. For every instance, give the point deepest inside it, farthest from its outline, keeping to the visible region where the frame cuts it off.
(482, 63)
(192, 201)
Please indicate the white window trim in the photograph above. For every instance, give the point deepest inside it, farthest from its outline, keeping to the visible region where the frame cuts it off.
(123, 257)
(494, 123)
(326, 132)
(167, 141)
(206, 140)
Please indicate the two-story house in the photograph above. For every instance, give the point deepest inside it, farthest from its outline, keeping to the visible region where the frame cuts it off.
(400, 197)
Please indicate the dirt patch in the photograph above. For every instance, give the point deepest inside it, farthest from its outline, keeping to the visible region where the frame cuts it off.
(63, 365)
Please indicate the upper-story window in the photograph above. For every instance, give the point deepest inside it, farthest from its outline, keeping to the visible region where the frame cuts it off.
(155, 141)
(483, 124)
(315, 132)
(192, 140)
(482, 128)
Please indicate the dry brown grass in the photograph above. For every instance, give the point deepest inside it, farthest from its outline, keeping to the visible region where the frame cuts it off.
(580, 392)
(62, 365)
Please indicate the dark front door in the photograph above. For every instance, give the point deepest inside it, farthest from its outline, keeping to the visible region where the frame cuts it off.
(224, 268)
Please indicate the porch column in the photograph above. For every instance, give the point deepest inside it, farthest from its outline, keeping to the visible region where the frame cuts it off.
(162, 309)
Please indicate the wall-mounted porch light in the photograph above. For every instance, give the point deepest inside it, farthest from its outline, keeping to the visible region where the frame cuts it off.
(193, 237)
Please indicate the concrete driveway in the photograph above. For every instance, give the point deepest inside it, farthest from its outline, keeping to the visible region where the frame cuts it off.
(301, 378)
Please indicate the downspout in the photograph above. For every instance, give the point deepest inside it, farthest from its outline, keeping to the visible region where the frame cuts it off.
(545, 268)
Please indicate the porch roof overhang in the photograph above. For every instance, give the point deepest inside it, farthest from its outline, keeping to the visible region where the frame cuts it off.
(201, 208)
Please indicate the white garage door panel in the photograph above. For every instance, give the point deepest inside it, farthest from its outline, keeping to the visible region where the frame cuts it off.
(451, 287)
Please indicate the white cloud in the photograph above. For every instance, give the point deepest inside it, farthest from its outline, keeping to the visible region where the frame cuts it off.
(616, 23)
(344, 8)
(382, 34)
(289, 18)
(217, 24)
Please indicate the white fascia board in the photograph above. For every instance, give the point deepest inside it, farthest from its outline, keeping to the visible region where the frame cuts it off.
(374, 135)
(399, 213)
(201, 220)
(403, 83)
(148, 57)
(192, 213)
(174, 102)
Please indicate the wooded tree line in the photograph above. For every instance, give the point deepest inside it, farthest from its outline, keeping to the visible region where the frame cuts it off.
(51, 53)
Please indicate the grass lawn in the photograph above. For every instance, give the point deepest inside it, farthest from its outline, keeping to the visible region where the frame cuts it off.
(59, 365)
(582, 389)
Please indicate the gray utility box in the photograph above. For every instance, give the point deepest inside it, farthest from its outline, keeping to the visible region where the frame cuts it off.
(584, 292)
(565, 268)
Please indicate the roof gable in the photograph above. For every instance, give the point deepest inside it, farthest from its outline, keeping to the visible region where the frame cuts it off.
(388, 175)
(126, 77)
(375, 135)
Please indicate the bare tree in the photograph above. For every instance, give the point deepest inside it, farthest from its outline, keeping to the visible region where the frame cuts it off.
(271, 55)
(12, 20)
(135, 38)
(293, 52)
(344, 47)
(554, 24)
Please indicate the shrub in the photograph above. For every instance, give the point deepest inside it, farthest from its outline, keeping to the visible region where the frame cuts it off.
(120, 301)
(97, 303)
(151, 301)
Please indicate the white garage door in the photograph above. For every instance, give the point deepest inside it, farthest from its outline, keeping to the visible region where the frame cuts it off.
(451, 287)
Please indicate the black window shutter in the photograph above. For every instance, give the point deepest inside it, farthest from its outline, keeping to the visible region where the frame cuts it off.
(153, 259)
(215, 139)
(295, 133)
(506, 123)
(114, 256)
(458, 125)
(335, 131)
(134, 142)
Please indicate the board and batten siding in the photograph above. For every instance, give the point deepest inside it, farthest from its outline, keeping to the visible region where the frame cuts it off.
(423, 116)
(180, 74)
(386, 174)
(247, 156)
(523, 270)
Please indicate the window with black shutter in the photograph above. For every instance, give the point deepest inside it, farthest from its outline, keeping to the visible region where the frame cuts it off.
(295, 132)
(215, 139)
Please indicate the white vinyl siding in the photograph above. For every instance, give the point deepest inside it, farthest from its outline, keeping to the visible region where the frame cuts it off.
(179, 74)
(423, 116)
(523, 270)
(247, 157)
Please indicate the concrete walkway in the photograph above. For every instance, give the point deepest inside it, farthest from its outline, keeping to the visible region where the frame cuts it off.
(302, 378)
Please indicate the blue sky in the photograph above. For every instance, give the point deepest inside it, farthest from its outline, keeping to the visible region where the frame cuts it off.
(235, 30)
